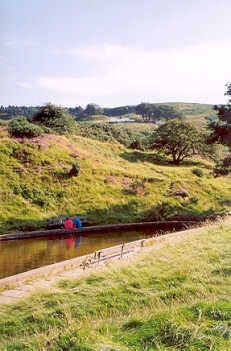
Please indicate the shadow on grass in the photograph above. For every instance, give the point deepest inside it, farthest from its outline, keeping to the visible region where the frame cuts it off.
(225, 202)
(181, 212)
(136, 156)
(164, 211)
(13, 224)
(159, 159)
(129, 212)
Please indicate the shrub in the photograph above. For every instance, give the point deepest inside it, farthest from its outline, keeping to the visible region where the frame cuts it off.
(107, 133)
(34, 195)
(223, 168)
(198, 172)
(20, 127)
(2, 123)
(55, 118)
(75, 170)
(138, 144)
(227, 161)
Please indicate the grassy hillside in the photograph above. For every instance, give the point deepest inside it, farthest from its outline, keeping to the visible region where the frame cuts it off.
(191, 111)
(173, 297)
(116, 184)
(196, 113)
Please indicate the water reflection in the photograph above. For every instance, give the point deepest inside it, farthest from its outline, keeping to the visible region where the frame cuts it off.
(70, 240)
(18, 256)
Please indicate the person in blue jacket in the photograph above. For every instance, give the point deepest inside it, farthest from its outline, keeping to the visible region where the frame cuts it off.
(77, 222)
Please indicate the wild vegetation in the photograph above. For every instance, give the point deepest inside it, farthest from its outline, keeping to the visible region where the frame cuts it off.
(198, 113)
(115, 184)
(50, 166)
(173, 297)
(179, 139)
(221, 126)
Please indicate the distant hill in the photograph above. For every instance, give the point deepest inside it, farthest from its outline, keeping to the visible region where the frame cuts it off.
(119, 111)
(194, 112)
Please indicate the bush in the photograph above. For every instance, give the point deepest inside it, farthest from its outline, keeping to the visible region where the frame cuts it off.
(20, 127)
(34, 195)
(108, 133)
(227, 161)
(55, 118)
(198, 172)
(2, 123)
(224, 167)
(138, 144)
(75, 170)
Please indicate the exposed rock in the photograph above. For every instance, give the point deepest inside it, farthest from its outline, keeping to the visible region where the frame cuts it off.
(180, 192)
(110, 179)
(74, 155)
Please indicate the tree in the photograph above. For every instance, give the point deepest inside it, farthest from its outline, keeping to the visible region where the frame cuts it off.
(167, 112)
(156, 112)
(180, 139)
(141, 109)
(93, 109)
(221, 127)
(76, 111)
(54, 117)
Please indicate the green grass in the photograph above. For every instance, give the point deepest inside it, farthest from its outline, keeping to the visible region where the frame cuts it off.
(116, 184)
(174, 297)
(196, 113)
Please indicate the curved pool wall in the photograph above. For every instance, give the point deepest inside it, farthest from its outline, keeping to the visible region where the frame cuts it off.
(77, 262)
(17, 256)
(161, 225)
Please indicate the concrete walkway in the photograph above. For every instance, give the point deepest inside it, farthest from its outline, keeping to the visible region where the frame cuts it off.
(44, 279)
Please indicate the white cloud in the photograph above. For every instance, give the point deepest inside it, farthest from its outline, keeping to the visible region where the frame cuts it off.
(129, 75)
(24, 85)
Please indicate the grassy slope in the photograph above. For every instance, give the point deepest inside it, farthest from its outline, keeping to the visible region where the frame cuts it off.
(194, 112)
(115, 185)
(174, 297)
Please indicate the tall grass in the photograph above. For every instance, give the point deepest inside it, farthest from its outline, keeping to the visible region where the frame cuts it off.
(115, 184)
(172, 297)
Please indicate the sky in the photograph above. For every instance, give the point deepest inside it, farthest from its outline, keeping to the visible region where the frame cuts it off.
(114, 52)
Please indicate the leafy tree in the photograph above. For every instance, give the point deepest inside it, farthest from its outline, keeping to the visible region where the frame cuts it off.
(93, 109)
(20, 127)
(119, 111)
(221, 127)
(143, 110)
(56, 118)
(167, 112)
(76, 111)
(156, 112)
(179, 139)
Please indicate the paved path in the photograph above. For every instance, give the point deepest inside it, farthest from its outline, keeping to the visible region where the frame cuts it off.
(48, 281)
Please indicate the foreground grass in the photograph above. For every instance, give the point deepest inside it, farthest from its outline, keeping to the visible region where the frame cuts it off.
(175, 297)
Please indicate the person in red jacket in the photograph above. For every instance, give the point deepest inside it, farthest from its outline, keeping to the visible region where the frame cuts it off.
(68, 223)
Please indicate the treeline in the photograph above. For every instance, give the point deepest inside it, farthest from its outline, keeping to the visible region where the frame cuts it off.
(148, 112)
(175, 138)
(11, 111)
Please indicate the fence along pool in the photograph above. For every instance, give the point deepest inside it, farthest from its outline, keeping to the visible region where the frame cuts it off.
(17, 256)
